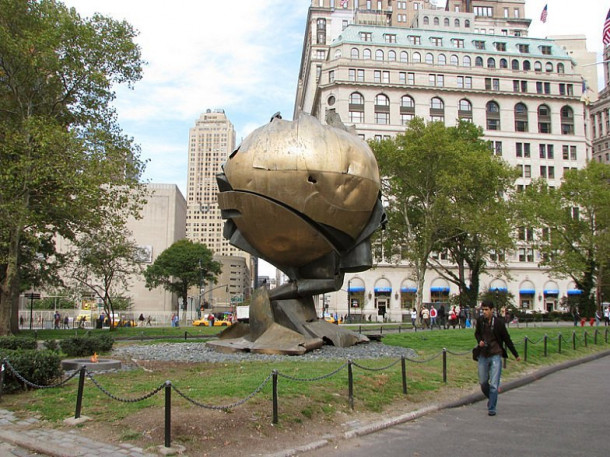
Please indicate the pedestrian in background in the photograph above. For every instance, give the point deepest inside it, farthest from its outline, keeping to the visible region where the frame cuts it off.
(491, 335)
(414, 318)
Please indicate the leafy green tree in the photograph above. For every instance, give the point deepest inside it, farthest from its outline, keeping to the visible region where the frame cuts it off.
(574, 227)
(181, 266)
(445, 191)
(66, 165)
(103, 262)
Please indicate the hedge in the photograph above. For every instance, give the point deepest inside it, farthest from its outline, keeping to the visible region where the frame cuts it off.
(11, 342)
(80, 346)
(42, 368)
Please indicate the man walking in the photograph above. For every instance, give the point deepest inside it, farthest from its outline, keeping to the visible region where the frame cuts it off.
(491, 335)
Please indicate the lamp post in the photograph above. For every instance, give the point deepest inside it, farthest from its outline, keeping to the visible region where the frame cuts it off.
(349, 301)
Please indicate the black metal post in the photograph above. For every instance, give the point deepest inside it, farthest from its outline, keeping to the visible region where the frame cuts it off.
(399, 328)
(586, 342)
(2, 368)
(168, 413)
(595, 336)
(185, 333)
(403, 365)
(545, 345)
(445, 365)
(559, 343)
(349, 302)
(275, 408)
(350, 382)
(31, 309)
(574, 340)
(79, 395)
(525, 349)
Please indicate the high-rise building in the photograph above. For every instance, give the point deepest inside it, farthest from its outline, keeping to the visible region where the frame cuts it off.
(211, 141)
(600, 116)
(377, 64)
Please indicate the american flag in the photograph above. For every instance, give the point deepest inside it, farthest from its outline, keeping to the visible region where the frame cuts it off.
(544, 13)
(606, 34)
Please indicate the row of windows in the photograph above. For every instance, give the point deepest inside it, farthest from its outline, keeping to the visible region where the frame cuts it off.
(437, 107)
(441, 59)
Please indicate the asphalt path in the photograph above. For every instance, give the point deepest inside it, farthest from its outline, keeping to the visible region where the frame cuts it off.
(566, 413)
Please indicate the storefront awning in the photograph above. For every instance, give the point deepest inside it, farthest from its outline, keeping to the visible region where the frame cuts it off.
(551, 292)
(383, 290)
(356, 289)
(408, 290)
(440, 289)
(498, 289)
(527, 292)
(574, 292)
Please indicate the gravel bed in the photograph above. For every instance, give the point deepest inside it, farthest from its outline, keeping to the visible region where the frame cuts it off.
(199, 352)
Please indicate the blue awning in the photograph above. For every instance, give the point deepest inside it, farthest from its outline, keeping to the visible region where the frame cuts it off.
(574, 292)
(356, 289)
(439, 289)
(408, 290)
(551, 292)
(383, 290)
(498, 289)
(527, 291)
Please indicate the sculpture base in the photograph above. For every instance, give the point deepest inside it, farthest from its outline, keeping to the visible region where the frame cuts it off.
(283, 327)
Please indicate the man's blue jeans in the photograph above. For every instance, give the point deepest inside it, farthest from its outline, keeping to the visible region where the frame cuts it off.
(490, 370)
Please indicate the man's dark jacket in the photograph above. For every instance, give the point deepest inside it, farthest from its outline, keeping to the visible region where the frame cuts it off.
(500, 332)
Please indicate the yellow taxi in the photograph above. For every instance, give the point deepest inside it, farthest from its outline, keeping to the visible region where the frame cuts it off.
(204, 322)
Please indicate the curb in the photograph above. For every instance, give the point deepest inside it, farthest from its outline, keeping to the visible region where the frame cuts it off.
(463, 401)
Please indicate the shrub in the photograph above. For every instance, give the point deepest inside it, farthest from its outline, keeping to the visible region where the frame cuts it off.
(11, 342)
(85, 346)
(42, 368)
(51, 345)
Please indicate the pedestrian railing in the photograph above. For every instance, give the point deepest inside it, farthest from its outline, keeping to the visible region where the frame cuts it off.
(83, 373)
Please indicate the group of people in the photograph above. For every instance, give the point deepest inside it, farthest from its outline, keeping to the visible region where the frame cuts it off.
(596, 319)
(430, 317)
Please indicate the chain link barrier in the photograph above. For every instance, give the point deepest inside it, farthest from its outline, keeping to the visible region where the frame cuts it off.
(319, 378)
(376, 369)
(123, 400)
(459, 354)
(31, 384)
(429, 359)
(225, 407)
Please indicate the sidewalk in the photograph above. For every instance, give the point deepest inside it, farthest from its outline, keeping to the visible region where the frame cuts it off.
(29, 437)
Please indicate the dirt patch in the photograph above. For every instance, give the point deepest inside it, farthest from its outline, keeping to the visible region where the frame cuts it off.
(247, 429)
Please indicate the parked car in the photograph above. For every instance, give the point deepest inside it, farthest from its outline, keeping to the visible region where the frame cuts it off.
(223, 321)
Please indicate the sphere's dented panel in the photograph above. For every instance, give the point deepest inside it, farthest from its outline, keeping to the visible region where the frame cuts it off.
(325, 173)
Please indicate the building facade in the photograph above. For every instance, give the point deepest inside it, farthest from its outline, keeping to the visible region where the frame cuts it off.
(211, 141)
(600, 117)
(472, 60)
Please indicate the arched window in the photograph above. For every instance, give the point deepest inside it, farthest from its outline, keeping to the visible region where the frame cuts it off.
(515, 64)
(466, 61)
(446, 22)
(416, 57)
(503, 63)
(548, 67)
(337, 53)
(356, 107)
(544, 119)
(478, 61)
(407, 109)
(429, 59)
(442, 60)
(521, 124)
(491, 63)
(437, 110)
(537, 66)
(404, 57)
(465, 110)
(560, 68)
(456, 23)
(492, 111)
(454, 60)
(567, 121)
(527, 66)
(392, 56)
(378, 54)
(355, 53)
(436, 21)
(467, 23)
(426, 20)
(366, 54)
(382, 109)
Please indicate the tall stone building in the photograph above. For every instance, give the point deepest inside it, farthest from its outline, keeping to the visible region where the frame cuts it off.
(377, 64)
(600, 117)
(211, 141)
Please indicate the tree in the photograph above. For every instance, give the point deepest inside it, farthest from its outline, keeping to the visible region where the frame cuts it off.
(444, 190)
(574, 227)
(478, 221)
(102, 262)
(66, 166)
(181, 266)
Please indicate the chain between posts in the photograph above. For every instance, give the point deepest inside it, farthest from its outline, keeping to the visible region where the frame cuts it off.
(124, 400)
(31, 384)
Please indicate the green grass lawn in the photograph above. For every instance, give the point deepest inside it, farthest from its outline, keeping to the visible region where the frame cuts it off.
(222, 384)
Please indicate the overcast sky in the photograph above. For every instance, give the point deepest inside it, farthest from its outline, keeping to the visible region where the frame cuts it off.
(242, 56)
